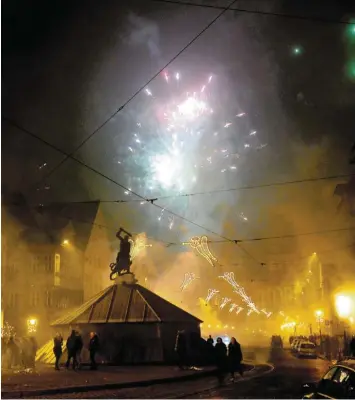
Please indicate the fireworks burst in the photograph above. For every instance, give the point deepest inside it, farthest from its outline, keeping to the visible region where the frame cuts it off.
(224, 302)
(183, 136)
(229, 277)
(137, 245)
(189, 277)
(200, 243)
(210, 294)
(232, 307)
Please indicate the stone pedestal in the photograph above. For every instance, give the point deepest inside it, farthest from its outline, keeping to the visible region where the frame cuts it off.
(128, 279)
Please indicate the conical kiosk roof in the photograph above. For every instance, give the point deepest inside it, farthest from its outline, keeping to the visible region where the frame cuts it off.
(125, 303)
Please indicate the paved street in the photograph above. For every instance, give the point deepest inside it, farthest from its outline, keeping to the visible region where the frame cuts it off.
(284, 381)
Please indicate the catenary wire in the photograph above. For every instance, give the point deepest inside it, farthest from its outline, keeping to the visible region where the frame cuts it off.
(249, 187)
(258, 12)
(92, 134)
(125, 188)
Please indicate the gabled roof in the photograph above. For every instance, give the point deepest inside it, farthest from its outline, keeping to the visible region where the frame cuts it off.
(122, 303)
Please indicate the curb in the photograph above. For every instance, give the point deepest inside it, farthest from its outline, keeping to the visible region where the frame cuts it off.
(247, 378)
(88, 388)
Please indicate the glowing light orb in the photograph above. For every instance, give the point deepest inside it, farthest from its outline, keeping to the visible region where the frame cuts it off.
(192, 107)
(166, 168)
(343, 305)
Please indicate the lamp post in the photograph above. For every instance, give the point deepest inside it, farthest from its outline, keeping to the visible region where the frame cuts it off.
(32, 325)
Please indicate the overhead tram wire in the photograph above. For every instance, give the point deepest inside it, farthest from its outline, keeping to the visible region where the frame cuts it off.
(91, 135)
(125, 188)
(249, 187)
(257, 12)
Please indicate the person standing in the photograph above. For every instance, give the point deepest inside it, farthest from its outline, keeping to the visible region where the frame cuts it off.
(221, 359)
(57, 349)
(181, 349)
(79, 347)
(235, 357)
(71, 348)
(93, 348)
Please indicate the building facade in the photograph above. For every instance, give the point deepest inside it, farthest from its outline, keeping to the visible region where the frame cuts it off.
(49, 260)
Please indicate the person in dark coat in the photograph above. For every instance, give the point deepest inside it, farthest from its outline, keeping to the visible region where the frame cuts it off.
(210, 340)
(57, 349)
(181, 349)
(72, 349)
(79, 347)
(235, 357)
(220, 351)
(93, 348)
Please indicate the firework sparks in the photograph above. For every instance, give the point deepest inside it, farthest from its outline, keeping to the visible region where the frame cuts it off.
(189, 277)
(137, 245)
(232, 307)
(210, 294)
(239, 309)
(229, 277)
(178, 133)
(200, 243)
(224, 302)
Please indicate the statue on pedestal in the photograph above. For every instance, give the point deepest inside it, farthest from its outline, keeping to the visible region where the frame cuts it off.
(123, 260)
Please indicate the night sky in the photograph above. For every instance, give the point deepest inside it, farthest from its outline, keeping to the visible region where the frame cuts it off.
(67, 66)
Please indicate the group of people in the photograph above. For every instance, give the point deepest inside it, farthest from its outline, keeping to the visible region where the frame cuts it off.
(74, 347)
(227, 359)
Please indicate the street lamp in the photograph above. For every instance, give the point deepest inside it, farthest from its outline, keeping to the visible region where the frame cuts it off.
(32, 325)
(343, 305)
(65, 242)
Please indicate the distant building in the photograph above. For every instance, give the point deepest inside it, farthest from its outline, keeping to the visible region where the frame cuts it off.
(52, 259)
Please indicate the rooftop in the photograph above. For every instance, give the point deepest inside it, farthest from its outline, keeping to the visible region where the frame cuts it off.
(126, 303)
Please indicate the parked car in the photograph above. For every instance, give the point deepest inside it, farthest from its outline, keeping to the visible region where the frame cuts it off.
(306, 349)
(337, 383)
(294, 344)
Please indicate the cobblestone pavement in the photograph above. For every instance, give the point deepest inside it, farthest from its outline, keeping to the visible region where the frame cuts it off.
(170, 390)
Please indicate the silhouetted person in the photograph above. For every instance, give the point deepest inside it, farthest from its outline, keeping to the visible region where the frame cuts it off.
(235, 358)
(181, 349)
(123, 260)
(93, 348)
(79, 347)
(72, 350)
(352, 347)
(210, 340)
(57, 349)
(220, 351)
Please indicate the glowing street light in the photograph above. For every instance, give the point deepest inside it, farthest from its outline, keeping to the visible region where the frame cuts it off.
(65, 242)
(343, 305)
(319, 314)
(32, 325)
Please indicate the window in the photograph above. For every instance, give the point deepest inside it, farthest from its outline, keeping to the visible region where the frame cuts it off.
(48, 299)
(34, 298)
(307, 346)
